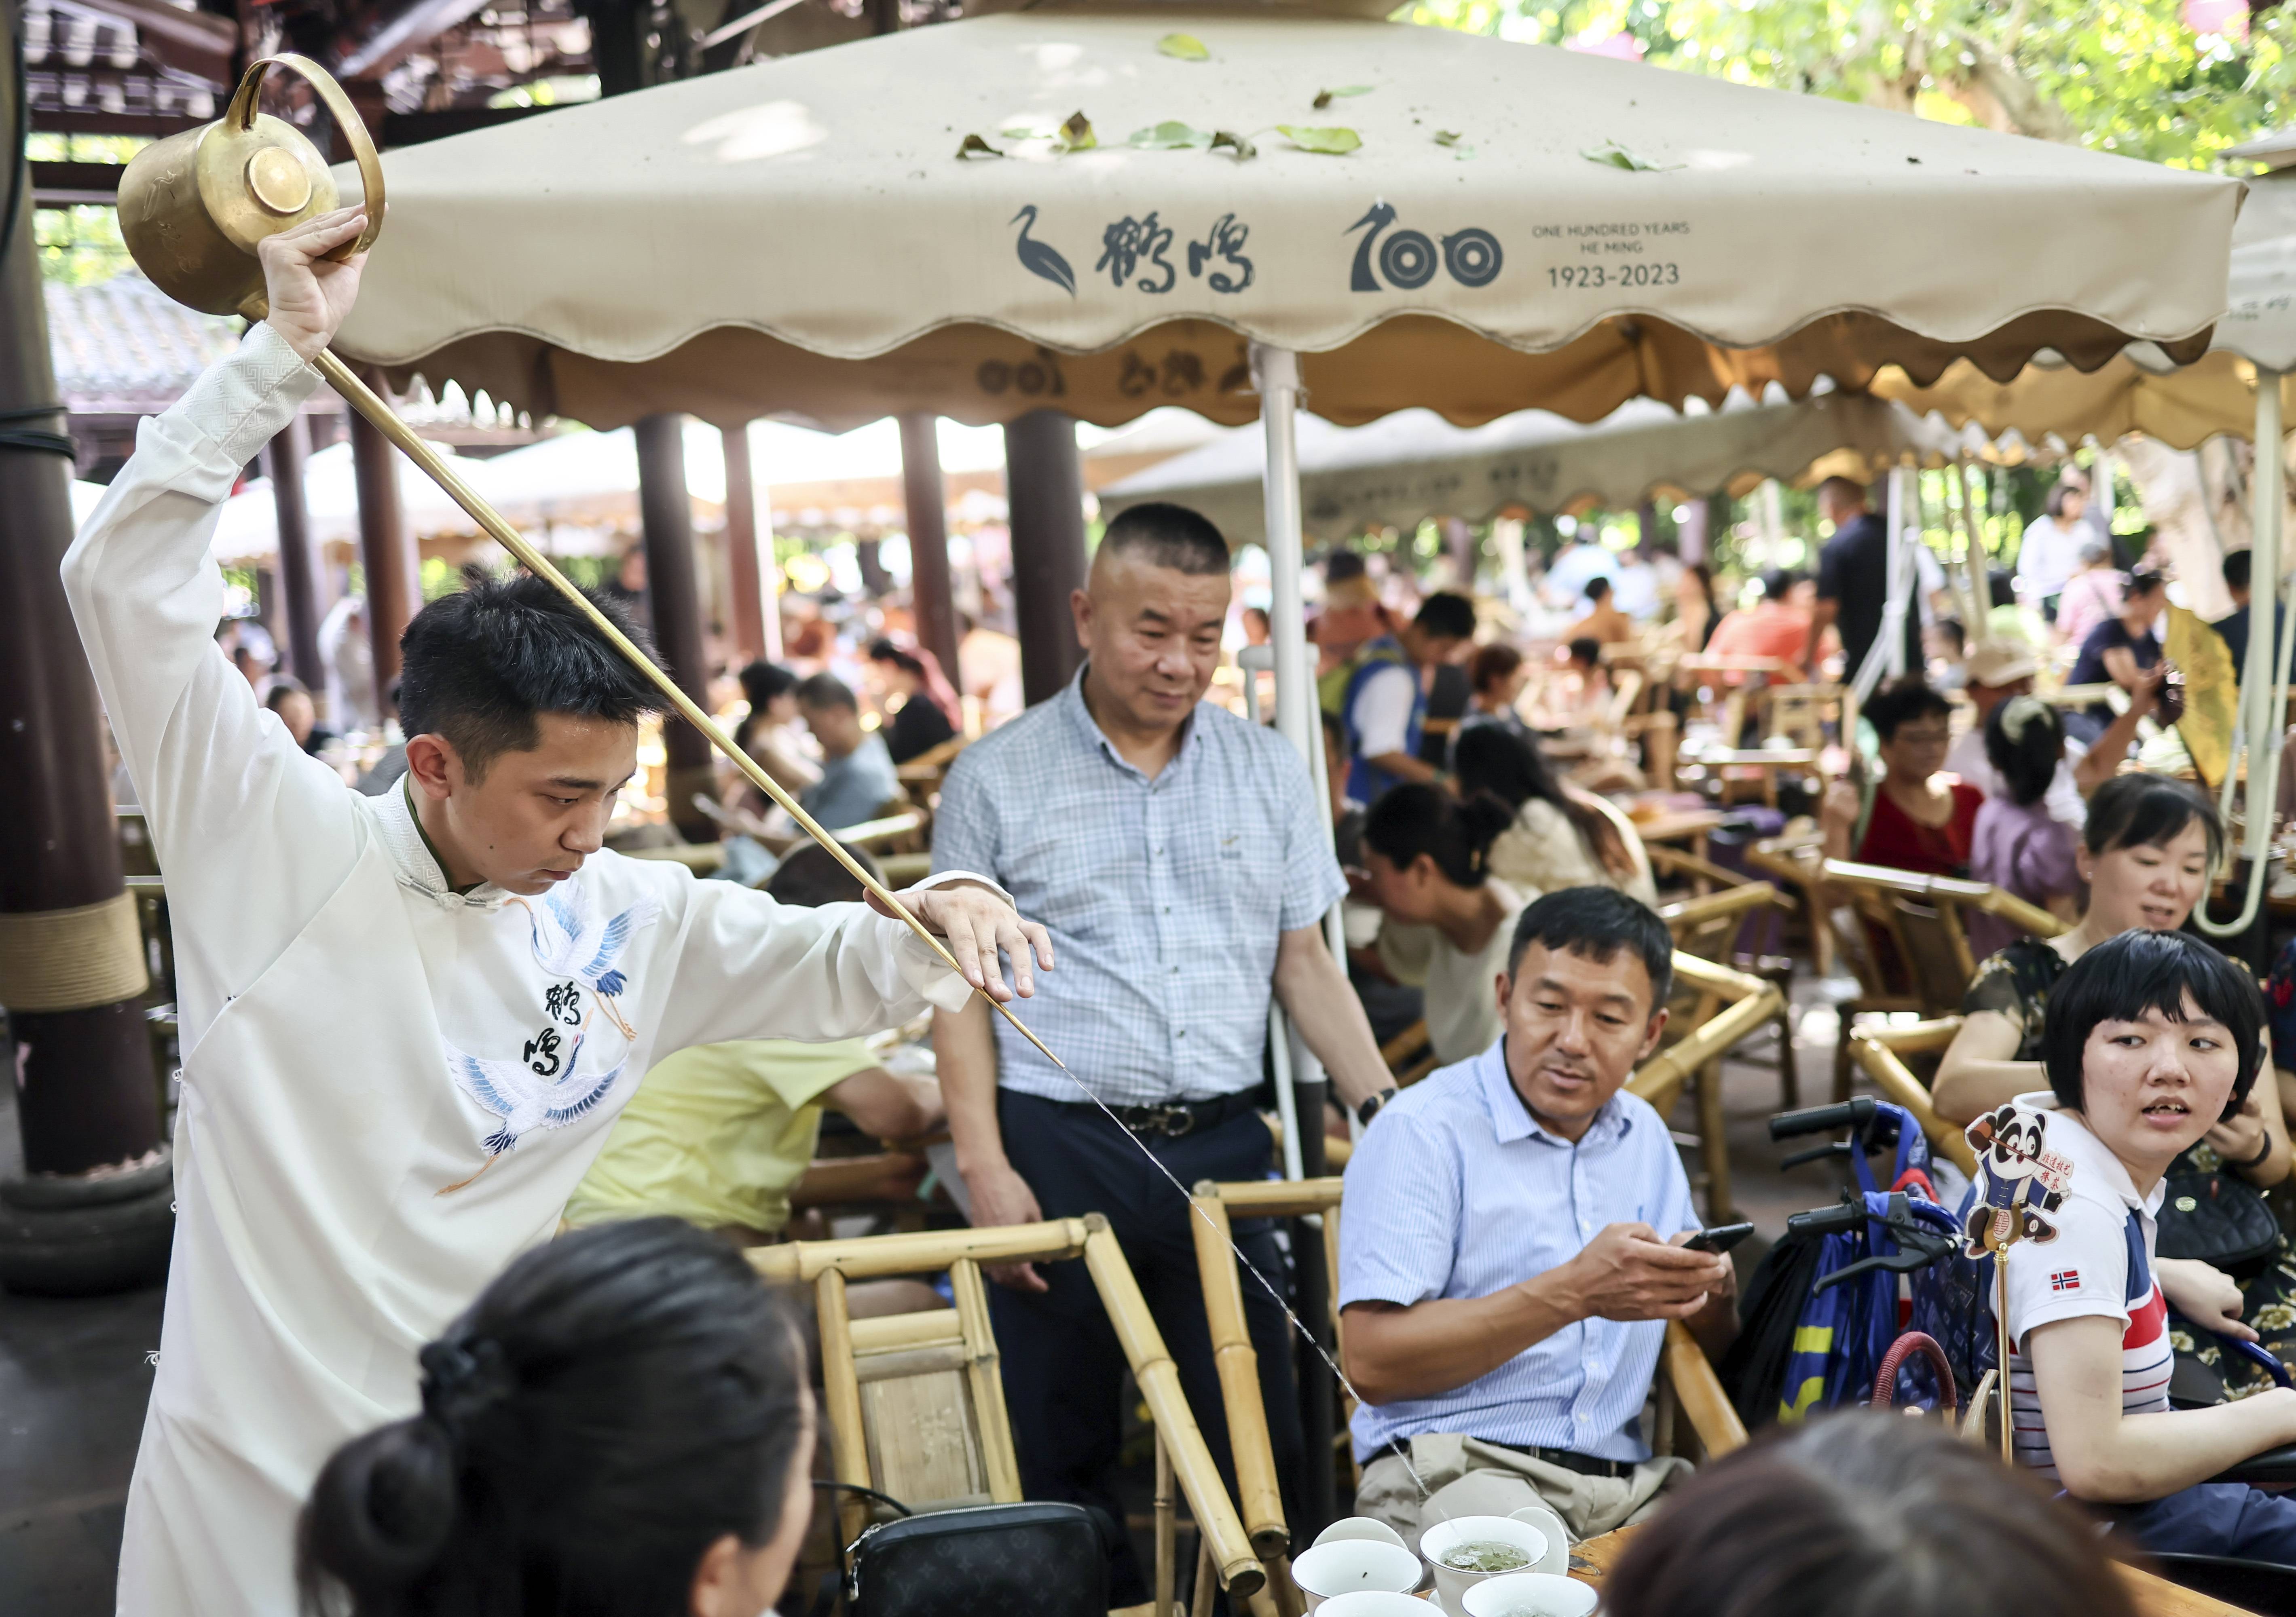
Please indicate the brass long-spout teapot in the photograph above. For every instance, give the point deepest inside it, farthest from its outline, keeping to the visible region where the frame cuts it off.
(194, 207)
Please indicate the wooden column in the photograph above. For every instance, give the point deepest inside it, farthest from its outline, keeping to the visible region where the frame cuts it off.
(747, 617)
(928, 507)
(71, 969)
(394, 567)
(666, 514)
(1044, 483)
(298, 566)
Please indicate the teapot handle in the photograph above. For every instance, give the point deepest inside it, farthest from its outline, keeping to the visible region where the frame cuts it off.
(242, 111)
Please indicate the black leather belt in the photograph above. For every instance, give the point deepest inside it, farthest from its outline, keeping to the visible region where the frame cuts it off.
(1171, 1120)
(1570, 1459)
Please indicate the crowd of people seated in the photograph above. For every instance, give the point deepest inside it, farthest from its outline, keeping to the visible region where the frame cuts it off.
(621, 1422)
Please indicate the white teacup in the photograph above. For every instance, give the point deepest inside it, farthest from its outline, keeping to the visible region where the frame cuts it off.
(1351, 1567)
(1444, 1537)
(1531, 1595)
(1372, 1602)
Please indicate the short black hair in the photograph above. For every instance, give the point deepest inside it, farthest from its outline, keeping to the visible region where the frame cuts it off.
(1952, 629)
(1446, 615)
(1492, 664)
(1167, 535)
(2025, 740)
(1595, 923)
(2145, 580)
(1586, 650)
(762, 682)
(2238, 569)
(1901, 702)
(1341, 564)
(1842, 488)
(2150, 811)
(1598, 587)
(481, 665)
(1777, 581)
(826, 690)
(811, 876)
(2056, 502)
(2125, 977)
(282, 686)
(1416, 818)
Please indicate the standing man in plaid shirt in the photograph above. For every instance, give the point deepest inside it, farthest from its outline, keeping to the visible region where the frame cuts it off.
(1176, 853)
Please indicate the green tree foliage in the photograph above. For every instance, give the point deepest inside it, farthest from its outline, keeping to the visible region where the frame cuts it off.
(2124, 76)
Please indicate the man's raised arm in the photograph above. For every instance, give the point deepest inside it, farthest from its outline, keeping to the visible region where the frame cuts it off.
(252, 835)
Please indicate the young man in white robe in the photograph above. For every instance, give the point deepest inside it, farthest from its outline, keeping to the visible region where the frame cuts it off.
(408, 1021)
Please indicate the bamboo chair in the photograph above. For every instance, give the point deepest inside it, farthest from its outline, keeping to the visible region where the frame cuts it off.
(1800, 713)
(916, 1405)
(1882, 1052)
(1708, 927)
(1730, 1005)
(1923, 917)
(1409, 1057)
(1795, 862)
(1687, 1385)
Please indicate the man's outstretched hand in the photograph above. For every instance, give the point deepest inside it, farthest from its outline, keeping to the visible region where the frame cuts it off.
(976, 924)
(309, 295)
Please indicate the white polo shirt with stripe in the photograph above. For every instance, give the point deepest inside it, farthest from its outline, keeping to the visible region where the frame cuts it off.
(2100, 1264)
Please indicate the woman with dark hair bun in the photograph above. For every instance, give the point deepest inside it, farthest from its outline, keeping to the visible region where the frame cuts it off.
(620, 1426)
(1856, 1514)
(1560, 836)
(1448, 920)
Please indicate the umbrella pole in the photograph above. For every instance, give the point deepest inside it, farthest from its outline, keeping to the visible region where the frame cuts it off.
(1276, 373)
(364, 399)
(2257, 729)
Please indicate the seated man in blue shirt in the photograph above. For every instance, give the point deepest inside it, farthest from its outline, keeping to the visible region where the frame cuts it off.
(1512, 1246)
(857, 777)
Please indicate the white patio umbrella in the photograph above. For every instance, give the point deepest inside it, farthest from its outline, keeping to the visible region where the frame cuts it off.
(1200, 204)
(247, 531)
(1407, 466)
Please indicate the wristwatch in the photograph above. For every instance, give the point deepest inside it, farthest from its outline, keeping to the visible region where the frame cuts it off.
(1372, 1104)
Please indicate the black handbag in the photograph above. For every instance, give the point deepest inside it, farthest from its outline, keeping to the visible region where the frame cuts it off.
(1025, 1560)
(2218, 1219)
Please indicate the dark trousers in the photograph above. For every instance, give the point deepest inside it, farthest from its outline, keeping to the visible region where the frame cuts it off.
(2219, 1519)
(1064, 1367)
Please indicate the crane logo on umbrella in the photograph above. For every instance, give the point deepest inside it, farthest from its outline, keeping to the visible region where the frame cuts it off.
(526, 1096)
(571, 939)
(1038, 257)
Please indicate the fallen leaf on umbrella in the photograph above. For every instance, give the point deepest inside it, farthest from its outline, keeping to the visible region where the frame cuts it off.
(1324, 98)
(1171, 135)
(1075, 135)
(1331, 142)
(973, 146)
(1455, 141)
(1187, 47)
(1616, 156)
(1225, 140)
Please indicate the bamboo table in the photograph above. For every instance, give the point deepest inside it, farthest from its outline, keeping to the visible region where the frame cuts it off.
(1591, 1559)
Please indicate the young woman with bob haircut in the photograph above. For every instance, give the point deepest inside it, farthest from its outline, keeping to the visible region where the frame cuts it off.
(1863, 1513)
(620, 1426)
(2153, 1038)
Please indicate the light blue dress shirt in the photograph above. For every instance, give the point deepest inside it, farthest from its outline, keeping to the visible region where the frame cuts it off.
(1165, 898)
(853, 789)
(1456, 1192)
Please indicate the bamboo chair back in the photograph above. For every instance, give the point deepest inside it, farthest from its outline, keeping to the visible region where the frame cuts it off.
(916, 1402)
(1882, 1052)
(1922, 916)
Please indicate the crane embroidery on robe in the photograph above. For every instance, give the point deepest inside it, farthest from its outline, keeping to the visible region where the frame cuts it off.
(572, 940)
(525, 1097)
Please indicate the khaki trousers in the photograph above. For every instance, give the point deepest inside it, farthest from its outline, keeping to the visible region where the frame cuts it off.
(1464, 1477)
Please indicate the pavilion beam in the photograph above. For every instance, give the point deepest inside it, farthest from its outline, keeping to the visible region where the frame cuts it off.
(71, 964)
(927, 499)
(1044, 483)
(744, 583)
(387, 550)
(298, 565)
(674, 601)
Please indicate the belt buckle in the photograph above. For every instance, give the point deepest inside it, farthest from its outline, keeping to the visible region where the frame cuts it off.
(1172, 1121)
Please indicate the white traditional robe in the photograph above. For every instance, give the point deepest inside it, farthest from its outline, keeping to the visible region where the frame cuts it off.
(359, 1039)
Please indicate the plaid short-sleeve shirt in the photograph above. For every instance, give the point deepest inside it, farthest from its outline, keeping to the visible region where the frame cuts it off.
(1165, 898)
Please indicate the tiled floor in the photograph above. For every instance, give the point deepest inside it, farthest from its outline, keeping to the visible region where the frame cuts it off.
(74, 1378)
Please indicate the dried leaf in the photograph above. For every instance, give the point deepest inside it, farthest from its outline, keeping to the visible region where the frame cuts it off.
(1615, 156)
(1186, 47)
(1447, 137)
(1331, 142)
(1022, 132)
(1324, 98)
(1171, 135)
(1223, 140)
(1075, 135)
(972, 145)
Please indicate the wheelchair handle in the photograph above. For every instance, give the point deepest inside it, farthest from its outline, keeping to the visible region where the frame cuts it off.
(1842, 1219)
(1854, 1114)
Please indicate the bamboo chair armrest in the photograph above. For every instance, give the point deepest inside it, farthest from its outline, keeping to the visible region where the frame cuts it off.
(1898, 1085)
(1730, 901)
(1339, 1150)
(2018, 912)
(1681, 862)
(1659, 1080)
(831, 1180)
(1719, 979)
(921, 1252)
(1275, 1198)
(1698, 1390)
(1411, 1039)
(1915, 1038)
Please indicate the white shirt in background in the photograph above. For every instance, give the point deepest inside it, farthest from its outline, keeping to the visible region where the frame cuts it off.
(1461, 999)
